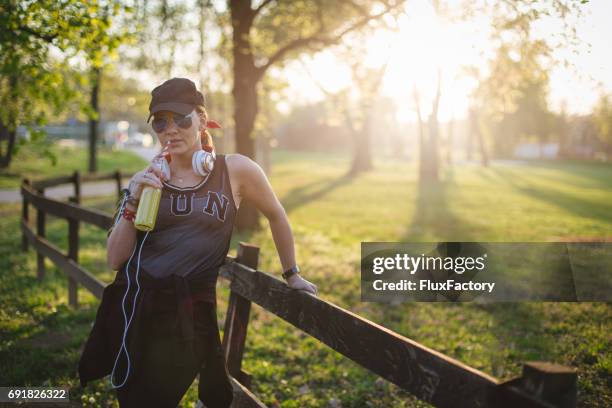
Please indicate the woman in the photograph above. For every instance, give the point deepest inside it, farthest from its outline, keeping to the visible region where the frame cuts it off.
(156, 327)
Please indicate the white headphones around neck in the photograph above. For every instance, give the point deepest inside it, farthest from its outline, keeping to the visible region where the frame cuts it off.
(202, 161)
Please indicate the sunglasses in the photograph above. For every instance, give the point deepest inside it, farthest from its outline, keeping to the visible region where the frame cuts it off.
(161, 122)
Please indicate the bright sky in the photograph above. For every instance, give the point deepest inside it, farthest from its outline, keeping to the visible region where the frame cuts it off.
(425, 44)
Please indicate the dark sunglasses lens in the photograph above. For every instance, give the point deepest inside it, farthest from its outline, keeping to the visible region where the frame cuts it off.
(159, 124)
(183, 121)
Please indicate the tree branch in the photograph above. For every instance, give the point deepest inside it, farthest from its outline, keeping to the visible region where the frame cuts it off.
(261, 7)
(45, 37)
(358, 7)
(319, 40)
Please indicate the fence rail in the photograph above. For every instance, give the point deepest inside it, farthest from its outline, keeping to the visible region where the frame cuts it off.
(425, 373)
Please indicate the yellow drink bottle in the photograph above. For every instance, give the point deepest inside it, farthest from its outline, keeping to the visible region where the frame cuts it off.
(147, 209)
(149, 200)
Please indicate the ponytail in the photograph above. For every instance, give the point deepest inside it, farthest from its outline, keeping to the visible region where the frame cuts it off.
(207, 141)
(205, 137)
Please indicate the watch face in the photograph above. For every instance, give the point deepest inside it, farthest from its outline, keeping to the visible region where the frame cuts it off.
(293, 271)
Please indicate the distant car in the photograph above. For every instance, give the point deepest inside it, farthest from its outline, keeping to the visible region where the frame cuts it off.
(139, 139)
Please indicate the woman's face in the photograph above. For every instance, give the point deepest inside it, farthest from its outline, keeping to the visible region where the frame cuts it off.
(180, 133)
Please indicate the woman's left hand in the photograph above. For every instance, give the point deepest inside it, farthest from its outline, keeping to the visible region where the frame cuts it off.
(297, 282)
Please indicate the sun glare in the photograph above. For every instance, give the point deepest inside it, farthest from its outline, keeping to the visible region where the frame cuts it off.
(422, 46)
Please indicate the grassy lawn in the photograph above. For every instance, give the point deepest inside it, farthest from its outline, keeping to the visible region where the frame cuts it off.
(30, 164)
(40, 336)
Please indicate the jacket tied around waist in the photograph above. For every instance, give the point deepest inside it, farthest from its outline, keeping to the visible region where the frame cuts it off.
(174, 293)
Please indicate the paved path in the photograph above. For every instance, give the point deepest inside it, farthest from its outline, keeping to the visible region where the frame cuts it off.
(146, 153)
(98, 188)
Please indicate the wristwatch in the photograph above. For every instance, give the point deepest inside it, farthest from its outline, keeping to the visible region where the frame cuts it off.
(129, 198)
(291, 271)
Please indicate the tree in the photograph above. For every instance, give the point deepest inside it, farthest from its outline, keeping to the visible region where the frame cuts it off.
(160, 28)
(367, 81)
(602, 118)
(39, 43)
(511, 100)
(103, 47)
(429, 136)
(356, 103)
(264, 36)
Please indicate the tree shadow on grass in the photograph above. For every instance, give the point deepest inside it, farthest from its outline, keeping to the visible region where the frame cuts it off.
(585, 174)
(569, 202)
(304, 194)
(52, 348)
(520, 331)
(434, 218)
(41, 335)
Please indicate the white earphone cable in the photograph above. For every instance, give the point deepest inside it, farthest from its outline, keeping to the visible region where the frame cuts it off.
(127, 321)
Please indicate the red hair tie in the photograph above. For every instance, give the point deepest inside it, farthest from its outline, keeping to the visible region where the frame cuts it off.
(213, 124)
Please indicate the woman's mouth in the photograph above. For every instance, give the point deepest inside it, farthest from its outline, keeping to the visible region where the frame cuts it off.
(174, 141)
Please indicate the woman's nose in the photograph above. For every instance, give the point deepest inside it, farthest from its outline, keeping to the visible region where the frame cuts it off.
(171, 127)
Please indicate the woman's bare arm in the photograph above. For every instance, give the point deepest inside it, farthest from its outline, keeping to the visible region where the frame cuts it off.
(254, 186)
(120, 243)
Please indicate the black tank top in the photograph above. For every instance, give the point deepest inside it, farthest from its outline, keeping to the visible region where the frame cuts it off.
(192, 232)
(193, 229)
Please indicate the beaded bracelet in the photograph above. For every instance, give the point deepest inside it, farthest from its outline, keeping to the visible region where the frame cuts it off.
(129, 215)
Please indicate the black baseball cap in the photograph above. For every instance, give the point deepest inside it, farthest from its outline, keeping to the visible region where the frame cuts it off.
(175, 95)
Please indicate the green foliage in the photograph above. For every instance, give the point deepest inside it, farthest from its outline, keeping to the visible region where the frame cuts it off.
(41, 46)
(122, 98)
(324, 22)
(511, 98)
(602, 117)
(160, 28)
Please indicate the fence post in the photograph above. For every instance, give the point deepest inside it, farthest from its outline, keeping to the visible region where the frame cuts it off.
(543, 384)
(118, 180)
(237, 320)
(73, 253)
(25, 216)
(40, 231)
(550, 382)
(76, 179)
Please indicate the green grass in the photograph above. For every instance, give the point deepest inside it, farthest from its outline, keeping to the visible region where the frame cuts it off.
(29, 164)
(330, 215)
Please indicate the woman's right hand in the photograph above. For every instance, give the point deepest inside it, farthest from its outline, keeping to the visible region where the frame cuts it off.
(151, 176)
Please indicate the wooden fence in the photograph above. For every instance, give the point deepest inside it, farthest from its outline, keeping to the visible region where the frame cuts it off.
(425, 373)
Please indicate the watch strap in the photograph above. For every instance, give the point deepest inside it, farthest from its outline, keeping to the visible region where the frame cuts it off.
(291, 271)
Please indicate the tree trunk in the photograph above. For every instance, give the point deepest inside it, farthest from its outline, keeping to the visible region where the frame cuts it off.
(433, 154)
(475, 130)
(264, 153)
(430, 163)
(8, 131)
(421, 129)
(362, 157)
(469, 146)
(93, 122)
(9, 136)
(449, 142)
(245, 96)
(245, 110)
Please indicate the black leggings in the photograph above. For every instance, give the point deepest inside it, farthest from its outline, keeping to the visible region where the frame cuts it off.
(167, 370)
